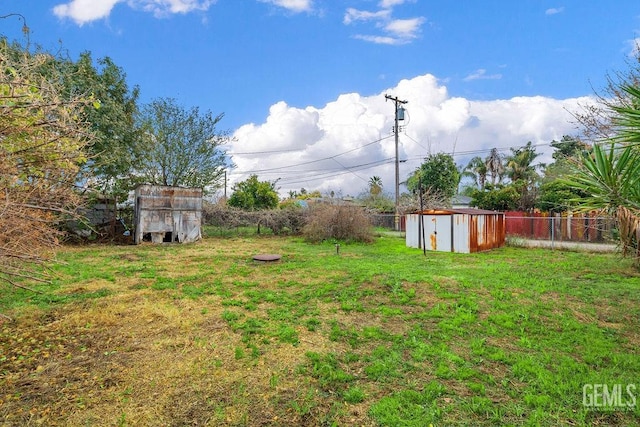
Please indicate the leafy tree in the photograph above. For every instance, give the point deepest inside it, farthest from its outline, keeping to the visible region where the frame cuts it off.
(179, 147)
(42, 138)
(496, 198)
(253, 195)
(568, 148)
(555, 195)
(438, 174)
(113, 124)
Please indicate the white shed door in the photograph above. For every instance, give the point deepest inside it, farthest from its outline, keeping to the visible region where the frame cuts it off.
(437, 232)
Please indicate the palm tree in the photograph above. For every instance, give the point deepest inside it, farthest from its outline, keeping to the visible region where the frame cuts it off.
(520, 164)
(477, 170)
(375, 186)
(495, 166)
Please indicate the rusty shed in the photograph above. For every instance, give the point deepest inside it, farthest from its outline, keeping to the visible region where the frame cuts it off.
(167, 214)
(455, 230)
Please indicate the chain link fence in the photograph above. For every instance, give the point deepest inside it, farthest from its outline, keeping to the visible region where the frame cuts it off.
(578, 228)
(571, 228)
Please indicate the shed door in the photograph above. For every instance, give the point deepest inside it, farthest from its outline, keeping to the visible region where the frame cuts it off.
(437, 232)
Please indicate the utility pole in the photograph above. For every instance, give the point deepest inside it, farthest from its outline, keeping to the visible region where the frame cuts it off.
(398, 109)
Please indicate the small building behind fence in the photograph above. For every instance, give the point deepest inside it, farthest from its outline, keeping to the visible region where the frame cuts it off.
(167, 214)
(455, 230)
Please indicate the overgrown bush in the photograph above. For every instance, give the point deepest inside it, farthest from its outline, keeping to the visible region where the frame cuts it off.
(340, 222)
(279, 221)
(282, 221)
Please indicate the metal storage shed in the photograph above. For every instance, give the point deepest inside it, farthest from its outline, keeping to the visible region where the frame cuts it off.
(455, 230)
(167, 214)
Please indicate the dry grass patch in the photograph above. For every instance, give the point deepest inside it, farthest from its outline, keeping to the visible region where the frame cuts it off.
(203, 335)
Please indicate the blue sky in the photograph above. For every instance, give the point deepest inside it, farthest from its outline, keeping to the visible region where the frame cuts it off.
(302, 82)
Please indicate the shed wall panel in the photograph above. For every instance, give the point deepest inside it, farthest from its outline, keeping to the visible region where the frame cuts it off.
(461, 233)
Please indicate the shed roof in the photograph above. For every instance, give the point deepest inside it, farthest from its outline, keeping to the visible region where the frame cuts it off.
(466, 211)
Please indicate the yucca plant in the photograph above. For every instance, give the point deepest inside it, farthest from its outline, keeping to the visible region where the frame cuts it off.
(627, 117)
(610, 173)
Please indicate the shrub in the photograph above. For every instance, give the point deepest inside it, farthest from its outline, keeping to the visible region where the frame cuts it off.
(280, 221)
(340, 222)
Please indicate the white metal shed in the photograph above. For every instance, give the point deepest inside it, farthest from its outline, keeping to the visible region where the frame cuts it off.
(455, 230)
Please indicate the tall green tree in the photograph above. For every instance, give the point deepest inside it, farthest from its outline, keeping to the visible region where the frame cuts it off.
(554, 195)
(437, 174)
(113, 124)
(179, 147)
(253, 195)
(568, 147)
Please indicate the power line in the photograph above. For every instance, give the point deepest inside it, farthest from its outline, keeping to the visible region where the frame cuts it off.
(349, 169)
(248, 153)
(320, 160)
(310, 175)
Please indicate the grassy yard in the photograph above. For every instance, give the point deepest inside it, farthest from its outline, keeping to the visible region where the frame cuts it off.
(378, 334)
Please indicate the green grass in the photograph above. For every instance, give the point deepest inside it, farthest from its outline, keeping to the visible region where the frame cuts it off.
(376, 335)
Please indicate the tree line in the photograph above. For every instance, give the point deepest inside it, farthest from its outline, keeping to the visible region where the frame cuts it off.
(74, 129)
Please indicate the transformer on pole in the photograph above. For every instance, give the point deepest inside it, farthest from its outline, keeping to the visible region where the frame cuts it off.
(399, 115)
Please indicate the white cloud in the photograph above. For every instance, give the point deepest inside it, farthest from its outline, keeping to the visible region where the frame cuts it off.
(340, 146)
(405, 28)
(352, 15)
(295, 6)
(396, 31)
(162, 8)
(387, 4)
(481, 74)
(554, 10)
(84, 11)
(381, 39)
